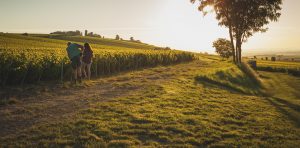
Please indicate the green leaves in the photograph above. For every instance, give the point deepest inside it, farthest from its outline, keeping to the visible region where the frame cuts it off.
(243, 17)
(223, 47)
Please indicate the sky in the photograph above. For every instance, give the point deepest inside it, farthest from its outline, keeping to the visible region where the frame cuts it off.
(174, 23)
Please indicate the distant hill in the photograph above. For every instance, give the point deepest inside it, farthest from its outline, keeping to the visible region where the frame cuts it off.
(98, 40)
(284, 55)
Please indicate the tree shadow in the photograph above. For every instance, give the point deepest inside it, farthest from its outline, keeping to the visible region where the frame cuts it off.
(287, 103)
(231, 81)
(215, 84)
(292, 111)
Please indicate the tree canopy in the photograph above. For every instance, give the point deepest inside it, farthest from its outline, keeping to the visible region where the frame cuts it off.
(117, 37)
(243, 18)
(223, 47)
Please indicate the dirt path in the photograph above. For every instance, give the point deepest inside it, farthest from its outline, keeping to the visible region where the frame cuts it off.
(53, 106)
(56, 103)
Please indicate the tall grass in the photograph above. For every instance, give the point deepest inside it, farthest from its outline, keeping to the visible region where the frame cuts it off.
(244, 66)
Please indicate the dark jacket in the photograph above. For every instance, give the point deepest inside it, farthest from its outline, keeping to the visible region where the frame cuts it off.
(87, 56)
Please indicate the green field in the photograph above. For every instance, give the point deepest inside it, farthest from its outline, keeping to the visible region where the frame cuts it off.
(28, 59)
(100, 42)
(278, 64)
(163, 106)
(284, 56)
(292, 68)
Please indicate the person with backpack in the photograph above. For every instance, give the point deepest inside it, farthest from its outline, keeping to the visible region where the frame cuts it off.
(87, 60)
(74, 53)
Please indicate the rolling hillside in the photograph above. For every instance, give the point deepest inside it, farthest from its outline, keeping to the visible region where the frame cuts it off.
(163, 106)
(105, 42)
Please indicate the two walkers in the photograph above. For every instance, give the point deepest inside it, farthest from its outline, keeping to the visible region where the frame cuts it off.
(81, 60)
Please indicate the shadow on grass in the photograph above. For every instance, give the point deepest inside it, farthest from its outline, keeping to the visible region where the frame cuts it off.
(243, 85)
(231, 80)
(287, 103)
(211, 83)
(292, 111)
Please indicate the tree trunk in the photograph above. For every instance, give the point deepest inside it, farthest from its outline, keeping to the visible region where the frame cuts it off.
(239, 48)
(240, 52)
(232, 44)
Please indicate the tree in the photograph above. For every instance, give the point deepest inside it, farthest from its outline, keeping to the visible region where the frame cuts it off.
(223, 47)
(25, 34)
(131, 39)
(167, 48)
(117, 37)
(85, 32)
(243, 18)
